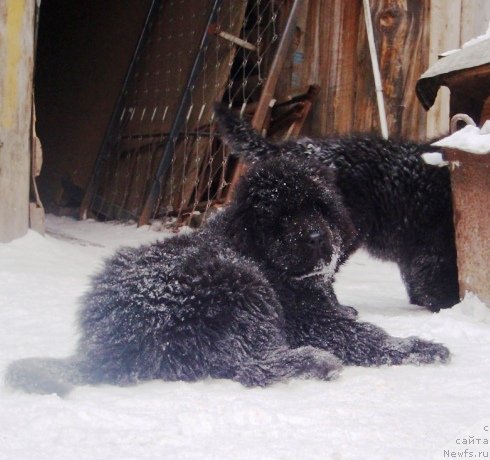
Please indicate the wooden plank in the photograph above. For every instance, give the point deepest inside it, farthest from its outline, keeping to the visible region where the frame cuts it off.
(333, 56)
(326, 57)
(291, 78)
(344, 99)
(401, 34)
(475, 16)
(309, 73)
(415, 59)
(36, 208)
(332, 64)
(16, 70)
(365, 115)
(445, 35)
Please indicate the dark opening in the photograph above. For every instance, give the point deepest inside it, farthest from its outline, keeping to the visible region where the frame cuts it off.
(83, 51)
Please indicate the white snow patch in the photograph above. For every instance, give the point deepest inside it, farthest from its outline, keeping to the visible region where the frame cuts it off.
(469, 139)
(471, 308)
(403, 413)
(434, 159)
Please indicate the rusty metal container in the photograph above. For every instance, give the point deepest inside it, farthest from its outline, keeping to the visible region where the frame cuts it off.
(470, 182)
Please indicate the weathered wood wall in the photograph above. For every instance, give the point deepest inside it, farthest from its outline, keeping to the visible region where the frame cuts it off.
(16, 68)
(332, 52)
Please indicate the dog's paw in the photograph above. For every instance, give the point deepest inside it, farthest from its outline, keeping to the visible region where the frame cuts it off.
(418, 351)
(347, 312)
(321, 364)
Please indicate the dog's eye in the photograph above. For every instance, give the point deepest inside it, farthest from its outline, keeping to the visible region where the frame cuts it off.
(320, 208)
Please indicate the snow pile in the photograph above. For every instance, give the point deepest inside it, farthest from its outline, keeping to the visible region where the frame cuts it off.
(471, 308)
(469, 139)
(403, 413)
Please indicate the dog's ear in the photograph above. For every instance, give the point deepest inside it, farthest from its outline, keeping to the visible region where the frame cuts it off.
(280, 184)
(253, 211)
(258, 196)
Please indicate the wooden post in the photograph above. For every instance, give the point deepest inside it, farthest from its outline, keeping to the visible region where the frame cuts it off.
(16, 70)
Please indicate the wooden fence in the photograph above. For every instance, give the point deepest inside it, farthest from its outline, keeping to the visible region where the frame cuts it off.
(332, 52)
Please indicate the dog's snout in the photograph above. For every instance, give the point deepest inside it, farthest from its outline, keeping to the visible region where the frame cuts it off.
(315, 238)
(319, 243)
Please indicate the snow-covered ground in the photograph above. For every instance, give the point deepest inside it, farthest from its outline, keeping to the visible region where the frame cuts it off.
(409, 412)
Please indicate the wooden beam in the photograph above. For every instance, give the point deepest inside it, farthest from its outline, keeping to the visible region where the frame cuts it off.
(16, 70)
(444, 36)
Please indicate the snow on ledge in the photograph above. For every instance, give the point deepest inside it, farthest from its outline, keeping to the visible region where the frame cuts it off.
(469, 139)
(471, 42)
(434, 159)
(478, 39)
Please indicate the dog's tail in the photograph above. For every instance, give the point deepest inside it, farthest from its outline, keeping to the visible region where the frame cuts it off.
(44, 375)
(242, 139)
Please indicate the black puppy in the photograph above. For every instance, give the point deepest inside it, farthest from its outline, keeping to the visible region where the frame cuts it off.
(401, 207)
(248, 297)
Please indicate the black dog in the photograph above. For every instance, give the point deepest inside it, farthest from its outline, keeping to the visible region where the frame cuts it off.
(401, 206)
(248, 298)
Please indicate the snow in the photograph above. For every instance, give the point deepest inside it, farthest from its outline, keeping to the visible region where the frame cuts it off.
(434, 159)
(406, 412)
(469, 139)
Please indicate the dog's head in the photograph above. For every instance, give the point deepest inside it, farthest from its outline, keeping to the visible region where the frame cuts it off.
(287, 215)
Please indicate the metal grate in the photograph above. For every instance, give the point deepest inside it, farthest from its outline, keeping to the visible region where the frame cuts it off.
(160, 157)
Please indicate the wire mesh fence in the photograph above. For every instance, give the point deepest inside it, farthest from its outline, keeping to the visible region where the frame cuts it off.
(160, 157)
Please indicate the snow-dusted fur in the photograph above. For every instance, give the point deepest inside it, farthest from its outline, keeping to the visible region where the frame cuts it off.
(401, 206)
(247, 298)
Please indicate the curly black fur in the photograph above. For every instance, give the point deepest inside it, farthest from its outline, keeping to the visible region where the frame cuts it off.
(401, 206)
(248, 298)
